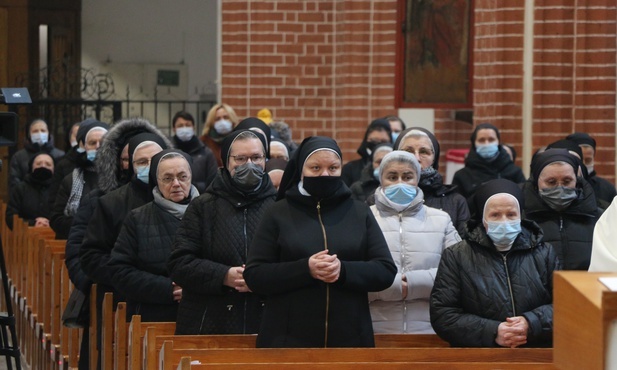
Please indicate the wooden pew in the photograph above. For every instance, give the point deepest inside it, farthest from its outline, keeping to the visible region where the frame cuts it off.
(120, 338)
(93, 351)
(170, 357)
(137, 330)
(372, 366)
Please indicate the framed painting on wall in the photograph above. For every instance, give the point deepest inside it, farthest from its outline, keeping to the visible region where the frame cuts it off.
(434, 53)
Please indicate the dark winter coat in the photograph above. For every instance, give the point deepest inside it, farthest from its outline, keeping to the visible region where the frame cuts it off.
(214, 236)
(352, 170)
(445, 198)
(76, 236)
(365, 187)
(204, 167)
(60, 222)
(103, 230)
(302, 311)
(477, 288)
(29, 200)
(570, 232)
(478, 170)
(19, 162)
(602, 188)
(139, 263)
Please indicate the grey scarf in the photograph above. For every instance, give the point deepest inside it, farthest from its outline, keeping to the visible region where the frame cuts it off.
(176, 209)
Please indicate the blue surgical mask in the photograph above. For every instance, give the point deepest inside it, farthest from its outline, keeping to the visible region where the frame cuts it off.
(376, 173)
(39, 137)
(223, 127)
(401, 193)
(503, 233)
(91, 154)
(395, 136)
(81, 150)
(487, 151)
(185, 133)
(143, 173)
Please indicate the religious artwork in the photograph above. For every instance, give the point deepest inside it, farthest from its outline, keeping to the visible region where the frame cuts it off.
(437, 62)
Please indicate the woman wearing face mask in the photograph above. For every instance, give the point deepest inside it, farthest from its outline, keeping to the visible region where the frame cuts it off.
(220, 121)
(212, 242)
(416, 235)
(564, 206)
(364, 188)
(315, 256)
(139, 257)
(204, 162)
(424, 145)
(38, 139)
(29, 197)
(486, 160)
(82, 180)
(495, 288)
(377, 132)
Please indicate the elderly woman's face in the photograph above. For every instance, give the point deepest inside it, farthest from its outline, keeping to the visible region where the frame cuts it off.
(43, 161)
(242, 151)
(500, 208)
(174, 179)
(557, 174)
(399, 172)
(422, 148)
(322, 163)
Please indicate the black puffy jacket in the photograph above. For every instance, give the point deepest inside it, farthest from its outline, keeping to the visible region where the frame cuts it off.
(214, 235)
(602, 188)
(477, 288)
(478, 170)
(139, 263)
(445, 198)
(570, 232)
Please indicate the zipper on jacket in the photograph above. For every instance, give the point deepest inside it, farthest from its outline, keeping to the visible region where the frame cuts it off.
(505, 264)
(203, 318)
(560, 223)
(325, 241)
(400, 233)
(246, 253)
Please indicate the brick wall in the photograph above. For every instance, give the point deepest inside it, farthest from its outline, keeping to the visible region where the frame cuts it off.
(328, 68)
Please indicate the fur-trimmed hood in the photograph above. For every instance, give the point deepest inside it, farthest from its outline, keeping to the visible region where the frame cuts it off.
(107, 157)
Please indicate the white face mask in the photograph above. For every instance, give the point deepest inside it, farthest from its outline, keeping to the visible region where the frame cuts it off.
(185, 133)
(39, 137)
(223, 127)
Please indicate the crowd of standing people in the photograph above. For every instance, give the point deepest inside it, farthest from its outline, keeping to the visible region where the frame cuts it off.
(241, 230)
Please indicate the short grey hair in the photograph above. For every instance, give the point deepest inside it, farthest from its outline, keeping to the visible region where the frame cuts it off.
(399, 156)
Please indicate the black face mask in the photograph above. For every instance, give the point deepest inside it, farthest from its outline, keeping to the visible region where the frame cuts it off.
(42, 174)
(322, 186)
(248, 176)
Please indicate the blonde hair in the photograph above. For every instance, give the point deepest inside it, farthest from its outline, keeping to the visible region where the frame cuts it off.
(212, 116)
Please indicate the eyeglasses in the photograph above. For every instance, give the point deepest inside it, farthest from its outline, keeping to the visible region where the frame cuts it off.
(422, 152)
(141, 162)
(242, 159)
(183, 178)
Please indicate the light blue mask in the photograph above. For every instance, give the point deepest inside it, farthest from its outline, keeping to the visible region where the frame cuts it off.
(395, 136)
(91, 154)
(401, 193)
(81, 150)
(143, 174)
(487, 151)
(503, 233)
(376, 173)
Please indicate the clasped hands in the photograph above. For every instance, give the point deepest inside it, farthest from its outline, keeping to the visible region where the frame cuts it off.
(512, 332)
(325, 267)
(235, 279)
